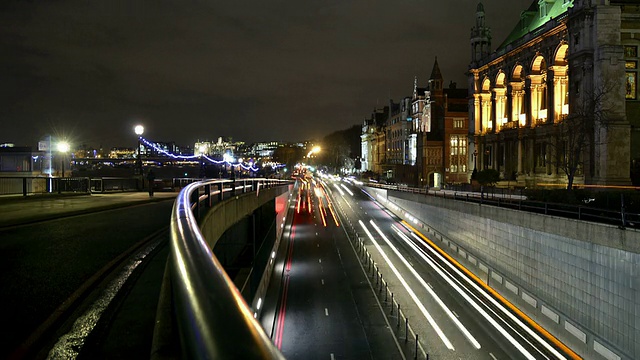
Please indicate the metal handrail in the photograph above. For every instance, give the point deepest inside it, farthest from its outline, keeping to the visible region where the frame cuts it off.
(213, 319)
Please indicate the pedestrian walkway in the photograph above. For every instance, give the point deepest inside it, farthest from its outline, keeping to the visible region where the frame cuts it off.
(18, 210)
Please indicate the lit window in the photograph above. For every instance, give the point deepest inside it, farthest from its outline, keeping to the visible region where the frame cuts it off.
(631, 76)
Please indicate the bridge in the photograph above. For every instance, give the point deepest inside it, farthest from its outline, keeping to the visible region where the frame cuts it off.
(386, 271)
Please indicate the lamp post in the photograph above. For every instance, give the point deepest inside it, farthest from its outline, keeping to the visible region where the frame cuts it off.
(314, 150)
(475, 163)
(139, 129)
(63, 147)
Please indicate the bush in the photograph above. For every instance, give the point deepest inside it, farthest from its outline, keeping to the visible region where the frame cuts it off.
(488, 177)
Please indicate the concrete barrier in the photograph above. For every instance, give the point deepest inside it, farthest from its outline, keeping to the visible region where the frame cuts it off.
(583, 272)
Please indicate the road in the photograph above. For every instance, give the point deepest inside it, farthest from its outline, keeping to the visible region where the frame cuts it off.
(455, 316)
(327, 307)
(46, 263)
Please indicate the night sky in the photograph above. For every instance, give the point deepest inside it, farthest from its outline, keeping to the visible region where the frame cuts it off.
(88, 71)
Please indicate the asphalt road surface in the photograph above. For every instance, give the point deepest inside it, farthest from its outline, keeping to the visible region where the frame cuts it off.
(327, 308)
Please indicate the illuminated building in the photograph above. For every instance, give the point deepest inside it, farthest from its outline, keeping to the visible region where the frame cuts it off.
(373, 141)
(562, 57)
(442, 130)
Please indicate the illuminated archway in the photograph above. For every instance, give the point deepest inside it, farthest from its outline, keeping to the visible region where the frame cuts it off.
(539, 89)
(485, 104)
(518, 109)
(560, 82)
(502, 117)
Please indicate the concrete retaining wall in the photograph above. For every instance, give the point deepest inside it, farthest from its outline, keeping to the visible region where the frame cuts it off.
(228, 212)
(579, 279)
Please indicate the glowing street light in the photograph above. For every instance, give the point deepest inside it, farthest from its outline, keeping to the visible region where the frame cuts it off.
(315, 150)
(63, 148)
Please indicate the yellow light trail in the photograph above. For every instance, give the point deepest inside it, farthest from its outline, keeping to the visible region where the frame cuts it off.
(504, 301)
(330, 205)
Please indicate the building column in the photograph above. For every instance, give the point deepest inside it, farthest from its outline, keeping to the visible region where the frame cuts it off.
(492, 113)
(477, 115)
(509, 105)
(519, 156)
(550, 97)
(527, 101)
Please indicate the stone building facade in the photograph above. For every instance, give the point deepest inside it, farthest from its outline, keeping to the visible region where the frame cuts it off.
(566, 60)
(442, 132)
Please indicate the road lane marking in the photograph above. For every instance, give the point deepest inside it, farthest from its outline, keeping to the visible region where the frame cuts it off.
(454, 313)
(326, 311)
(320, 261)
(332, 357)
(493, 357)
(322, 280)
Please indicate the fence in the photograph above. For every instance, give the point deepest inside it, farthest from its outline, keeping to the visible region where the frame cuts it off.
(515, 199)
(32, 185)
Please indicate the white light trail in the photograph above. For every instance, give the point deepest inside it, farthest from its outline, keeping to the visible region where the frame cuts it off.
(474, 304)
(444, 307)
(424, 311)
(347, 189)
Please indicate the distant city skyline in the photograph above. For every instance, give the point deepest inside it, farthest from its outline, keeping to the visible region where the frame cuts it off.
(89, 72)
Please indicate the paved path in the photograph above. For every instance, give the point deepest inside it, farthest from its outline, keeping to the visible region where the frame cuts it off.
(18, 210)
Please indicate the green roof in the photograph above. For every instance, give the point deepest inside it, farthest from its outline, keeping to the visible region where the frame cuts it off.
(530, 19)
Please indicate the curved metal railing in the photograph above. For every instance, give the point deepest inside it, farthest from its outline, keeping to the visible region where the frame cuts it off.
(214, 321)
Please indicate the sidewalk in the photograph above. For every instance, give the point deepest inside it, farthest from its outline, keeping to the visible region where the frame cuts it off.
(20, 210)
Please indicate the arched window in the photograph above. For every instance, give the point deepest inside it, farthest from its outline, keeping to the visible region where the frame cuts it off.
(560, 83)
(485, 111)
(538, 89)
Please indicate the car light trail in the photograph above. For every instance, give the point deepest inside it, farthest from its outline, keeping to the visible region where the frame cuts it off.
(282, 314)
(458, 269)
(339, 190)
(424, 311)
(444, 307)
(330, 205)
(346, 189)
(474, 304)
(322, 211)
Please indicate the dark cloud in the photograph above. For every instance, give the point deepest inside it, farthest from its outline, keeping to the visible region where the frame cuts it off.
(255, 70)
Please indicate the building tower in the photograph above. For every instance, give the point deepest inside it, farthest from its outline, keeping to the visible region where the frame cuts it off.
(435, 80)
(480, 36)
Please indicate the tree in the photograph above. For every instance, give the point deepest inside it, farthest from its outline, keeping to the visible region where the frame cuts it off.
(574, 137)
(339, 149)
(288, 154)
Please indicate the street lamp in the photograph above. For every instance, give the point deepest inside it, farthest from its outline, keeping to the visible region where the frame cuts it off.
(139, 129)
(63, 147)
(315, 150)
